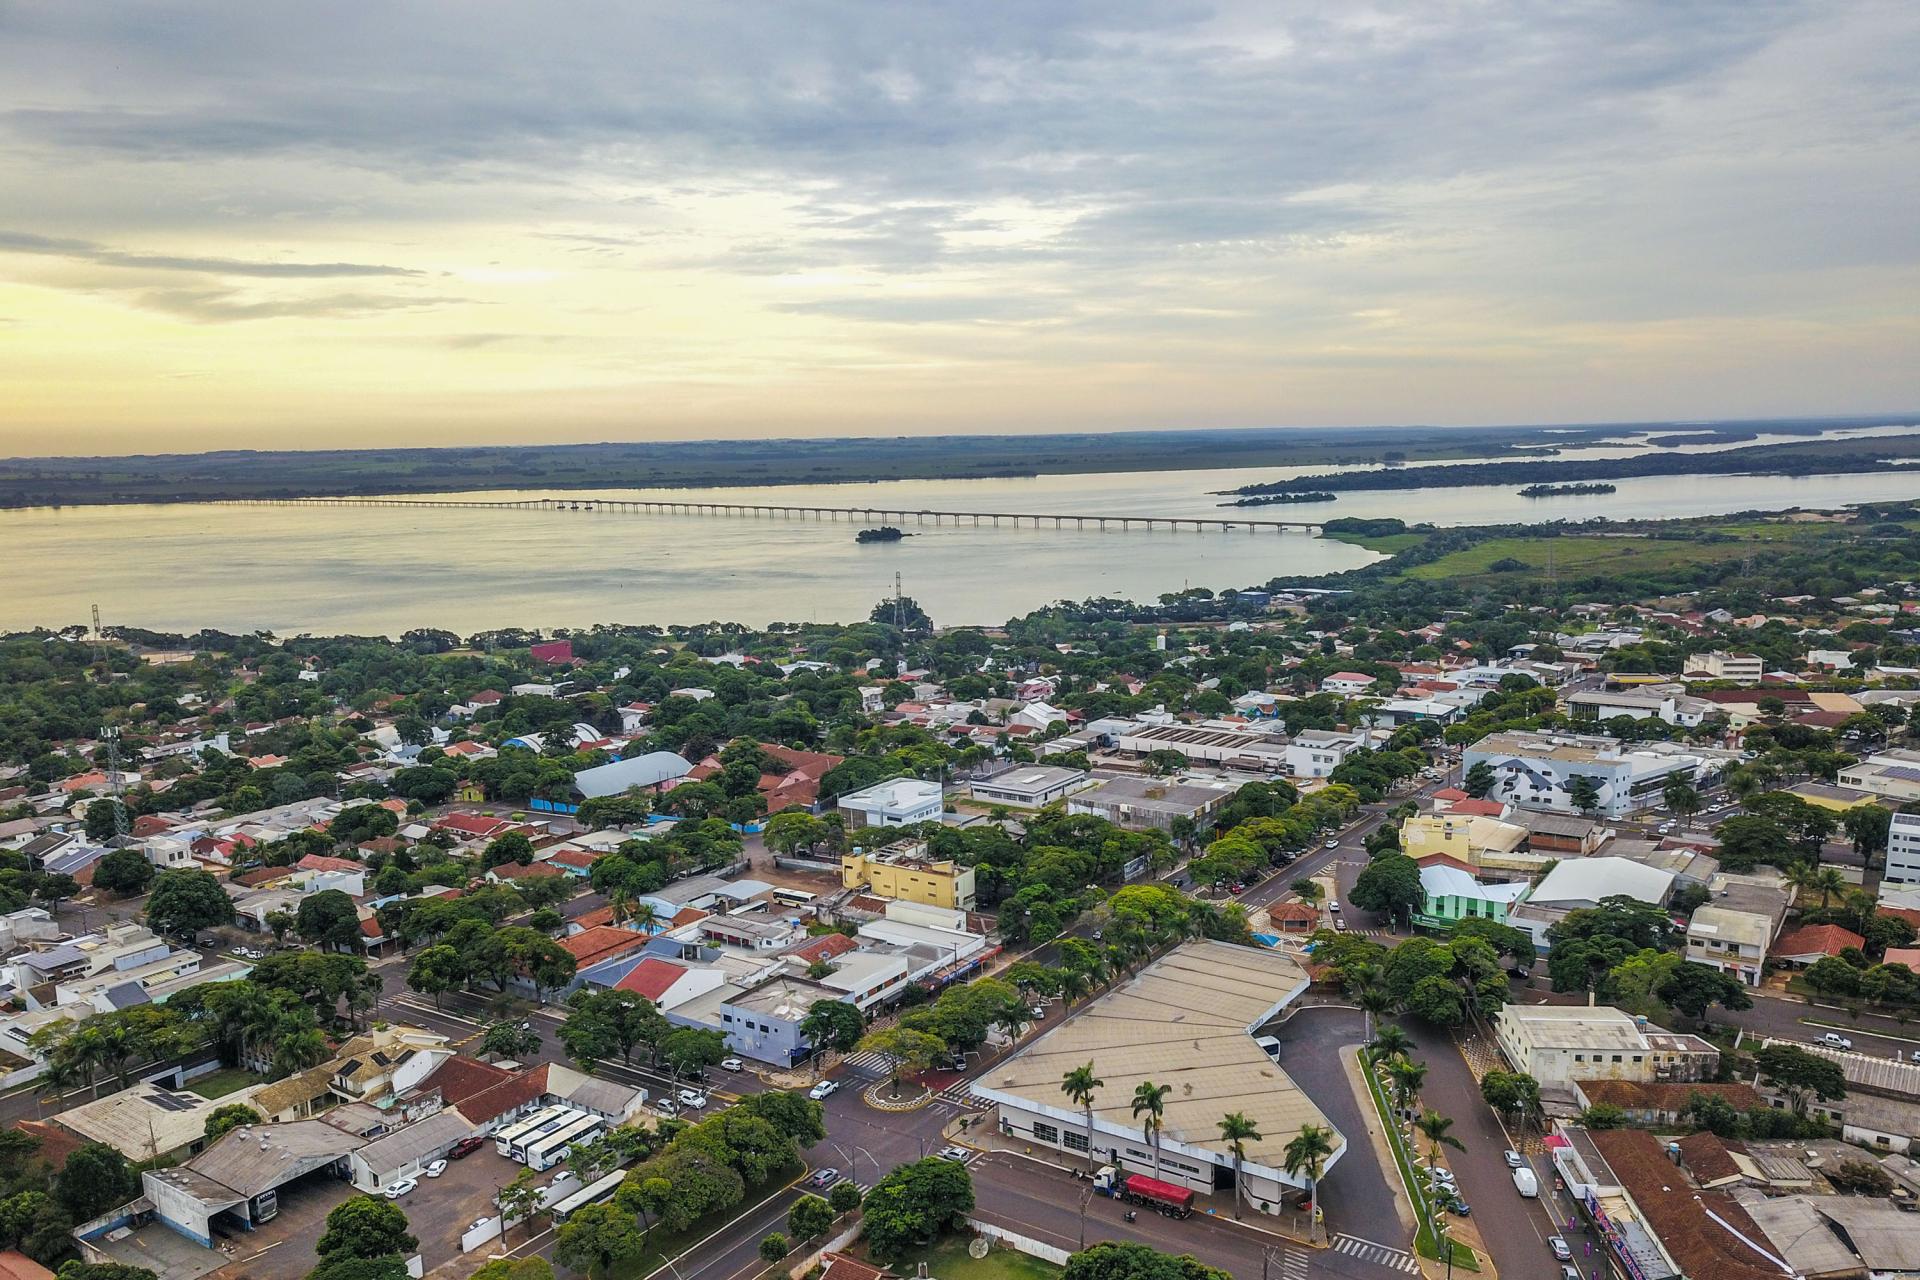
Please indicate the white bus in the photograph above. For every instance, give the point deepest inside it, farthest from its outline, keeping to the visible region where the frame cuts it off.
(511, 1141)
(547, 1151)
(591, 1194)
(794, 898)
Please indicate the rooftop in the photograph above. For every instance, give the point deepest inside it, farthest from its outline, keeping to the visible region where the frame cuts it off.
(254, 1158)
(1725, 924)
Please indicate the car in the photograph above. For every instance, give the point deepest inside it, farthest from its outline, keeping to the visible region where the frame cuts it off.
(1333, 905)
(1339, 925)
(692, 1098)
(1238, 888)
(732, 1064)
(955, 1153)
(1569, 1272)
(1038, 1012)
(667, 1107)
(1914, 1056)
(400, 1188)
(466, 1147)
(1513, 1159)
(436, 1168)
(1333, 842)
(823, 1177)
(1834, 1040)
(1459, 1208)
(824, 1090)
(1559, 1247)
(1098, 934)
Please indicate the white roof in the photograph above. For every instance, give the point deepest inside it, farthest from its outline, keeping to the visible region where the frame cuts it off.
(899, 793)
(636, 771)
(1451, 882)
(1591, 879)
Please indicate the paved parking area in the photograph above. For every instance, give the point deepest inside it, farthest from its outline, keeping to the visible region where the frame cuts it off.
(441, 1209)
(283, 1249)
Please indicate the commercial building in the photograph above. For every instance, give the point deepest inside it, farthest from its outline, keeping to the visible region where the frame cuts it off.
(764, 1023)
(149, 1120)
(1315, 753)
(1582, 883)
(236, 1182)
(1739, 668)
(1149, 804)
(1539, 771)
(1892, 774)
(902, 872)
(1254, 750)
(1029, 786)
(1674, 708)
(1558, 1044)
(1451, 894)
(1734, 930)
(1903, 851)
(1187, 1021)
(1480, 842)
(901, 802)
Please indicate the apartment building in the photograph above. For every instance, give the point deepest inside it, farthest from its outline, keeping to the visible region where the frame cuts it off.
(1540, 770)
(903, 872)
(1739, 668)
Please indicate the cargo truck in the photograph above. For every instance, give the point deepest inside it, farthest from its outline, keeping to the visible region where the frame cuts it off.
(1151, 1193)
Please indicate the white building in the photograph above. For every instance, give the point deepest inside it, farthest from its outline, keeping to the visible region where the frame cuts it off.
(1892, 775)
(1740, 668)
(1580, 883)
(1315, 753)
(1903, 851)
(900, 802)
(1730, 940)
(1347, 683)
(1029, 786)
(1538, 770)
(1557, 1044)
(1673, 708)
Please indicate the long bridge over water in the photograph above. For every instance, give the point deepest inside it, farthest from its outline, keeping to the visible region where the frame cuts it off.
(795, 511)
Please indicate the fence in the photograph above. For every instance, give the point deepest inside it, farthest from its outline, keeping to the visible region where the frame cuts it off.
(1024, 1244)
(847, 1235)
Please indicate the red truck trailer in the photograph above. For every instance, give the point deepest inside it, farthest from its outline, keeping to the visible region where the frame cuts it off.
(1175, 1202)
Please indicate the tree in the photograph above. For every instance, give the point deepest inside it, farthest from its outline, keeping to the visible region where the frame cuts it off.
(1511, 1093)
(773, 1247)
(602, 1023)
(1236, 1130)
(1163, 763)
(223, 1120)
(515, 1269)
(436, 971)
(1307, 1153)
(1435, 1128)
(914, 1203)
(1150, 1102)
(793, 1116)
(511, 1040)
(1692, 988)
(1583, 793)
(95, 1179)
(1682, 798)
(1080, 1085)
(75, 1269)
(845, 1197)
(1437, 1000)
(185, 902)
(124, 871)
(345, 1267)
(1866, 825)
(1407, 1077)
(912, 1051)
(833, 1025)
(598, 1239)
(1603, 1115)
(366, 1227)
(329, 920)
(1391, 1041)
(1801, 1075)
(1126, 1260)
(1389, 885)
(809, 1216)
(1479, 780)
(521, 1201)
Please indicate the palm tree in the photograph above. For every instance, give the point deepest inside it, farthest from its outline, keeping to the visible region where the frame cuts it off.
(1080, 1084)
(1407, 1078)
(1434, 1127)
(1150, 1099)
(1391, 1041)
(1828, 881)
(619, 904)
(1801, 876)
(1238, 1130)
(643, 916)
(1375, 1003)
(1307, 1154)
(1074, 984)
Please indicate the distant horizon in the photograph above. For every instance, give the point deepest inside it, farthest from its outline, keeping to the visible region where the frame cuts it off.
(1680, 424)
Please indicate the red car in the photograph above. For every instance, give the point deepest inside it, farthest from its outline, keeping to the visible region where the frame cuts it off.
(1239, 888)
(466, 1147)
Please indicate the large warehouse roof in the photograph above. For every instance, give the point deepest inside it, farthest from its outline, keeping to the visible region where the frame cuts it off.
(1187, 1021)
(649, 770)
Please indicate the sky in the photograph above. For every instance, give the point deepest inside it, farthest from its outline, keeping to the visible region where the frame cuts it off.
(269, 225)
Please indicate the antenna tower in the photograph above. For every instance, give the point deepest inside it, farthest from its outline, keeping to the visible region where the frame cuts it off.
(99, 641)
(899, 610)
(114, 783)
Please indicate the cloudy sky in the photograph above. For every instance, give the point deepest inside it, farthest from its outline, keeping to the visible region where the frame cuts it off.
(280, 225)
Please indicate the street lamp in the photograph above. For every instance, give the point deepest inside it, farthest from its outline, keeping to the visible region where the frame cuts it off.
(1085, 1197)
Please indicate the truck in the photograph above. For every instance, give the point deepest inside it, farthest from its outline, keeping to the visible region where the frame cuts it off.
(1150, 1193)
(1526, 1183)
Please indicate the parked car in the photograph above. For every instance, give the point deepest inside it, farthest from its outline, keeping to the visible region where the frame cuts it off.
(1238, 888)
(436, 1168)
(821, 1178)
(466, 1147)
(1038, 1012)
(692, 1098)
(400, 1188)
(1834, 1040)
(667, 1107)
(1333, 905)
(732, 1064)
(824, 1090)
(955, 1153)
(1569, 1272)
(1513, 1159)
(1560, 1249)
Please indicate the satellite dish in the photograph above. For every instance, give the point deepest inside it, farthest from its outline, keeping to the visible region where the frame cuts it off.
(978, 1247)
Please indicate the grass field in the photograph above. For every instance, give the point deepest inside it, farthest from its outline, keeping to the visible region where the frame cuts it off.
(949, 1261)
(1391, 544)
(1579, 554)
(220, 1083)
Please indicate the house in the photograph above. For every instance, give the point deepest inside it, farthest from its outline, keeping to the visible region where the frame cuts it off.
(1451, 894)
(898, 803)
(903, 872)
(1347, 683)
(794, 782)
(472, 826)
(590, 947)
(1151, 804)
(1560, 835)
(1029, 786)
(1805, 945)
(667, 984)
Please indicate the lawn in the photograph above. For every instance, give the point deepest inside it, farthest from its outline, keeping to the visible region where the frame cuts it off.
(1391, 544)
(949, 1261)
(219, 1084)
(1577, 555)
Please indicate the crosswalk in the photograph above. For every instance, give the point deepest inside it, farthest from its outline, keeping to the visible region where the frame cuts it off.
(960, 1094)
(1372, 1251)
(870, 1063)
(1293, 1263)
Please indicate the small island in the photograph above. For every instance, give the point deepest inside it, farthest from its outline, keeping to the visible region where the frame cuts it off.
(885, 533)
(1562, 490)
(1273, 499)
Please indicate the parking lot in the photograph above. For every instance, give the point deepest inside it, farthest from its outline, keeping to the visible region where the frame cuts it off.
(283, 1248)
(441, 1209)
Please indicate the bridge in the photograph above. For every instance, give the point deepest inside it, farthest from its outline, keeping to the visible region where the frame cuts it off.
(793, 511)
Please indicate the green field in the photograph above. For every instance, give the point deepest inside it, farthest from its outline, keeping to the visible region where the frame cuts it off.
(949, 1261)
(1391, 544)
(219, 1084)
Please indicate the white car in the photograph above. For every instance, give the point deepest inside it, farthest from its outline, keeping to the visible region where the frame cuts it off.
(1514, 1160)
(825, 1089)
(1560, 1249)
(437, 1168)
(732, 1064)
(400, 1188)
(692, 1098)
(1834, 1040)
(1037, 1012)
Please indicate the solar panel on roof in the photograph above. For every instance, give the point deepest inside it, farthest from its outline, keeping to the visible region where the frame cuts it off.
(1904, 772)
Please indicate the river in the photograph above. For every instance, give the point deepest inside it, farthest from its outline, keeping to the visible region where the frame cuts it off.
(380, 570)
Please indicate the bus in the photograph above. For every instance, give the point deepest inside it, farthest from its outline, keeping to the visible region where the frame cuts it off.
(551, 1149)
(511, 1141)
(592, 1194)
(794, 897)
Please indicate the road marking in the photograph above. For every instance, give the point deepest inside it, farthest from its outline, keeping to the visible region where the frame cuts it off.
(725, 1227)
(1374, 1251)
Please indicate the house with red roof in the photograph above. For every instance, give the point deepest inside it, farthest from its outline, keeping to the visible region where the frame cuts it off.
(602, 942)
(510, 871)
(795, 784)
(575, 862)
(321, 862)
(1805, 945)
(668, 984)
(824, 947)
(473, 826)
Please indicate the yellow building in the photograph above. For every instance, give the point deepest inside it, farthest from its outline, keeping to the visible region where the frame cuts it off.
(1475, 839)
(903, 873)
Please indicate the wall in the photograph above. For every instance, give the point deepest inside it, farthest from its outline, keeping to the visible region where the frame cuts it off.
(1024, 1244)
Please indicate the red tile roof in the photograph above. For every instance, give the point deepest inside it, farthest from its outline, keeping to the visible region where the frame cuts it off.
(521, 871)
(824, 947)
(472, 824)
(1478, 808)
(513, 1092)
(321, 862)
(1701, 1230)
(575, 858)
(1821, 939)
(652, 978)
(370, 928)
(460, 1078)
(1908, 956)
(1451, 793)
(15, 1265)
(590, 946)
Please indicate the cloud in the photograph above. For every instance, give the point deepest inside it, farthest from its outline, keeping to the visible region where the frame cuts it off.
(100, 255)
(219, 306)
